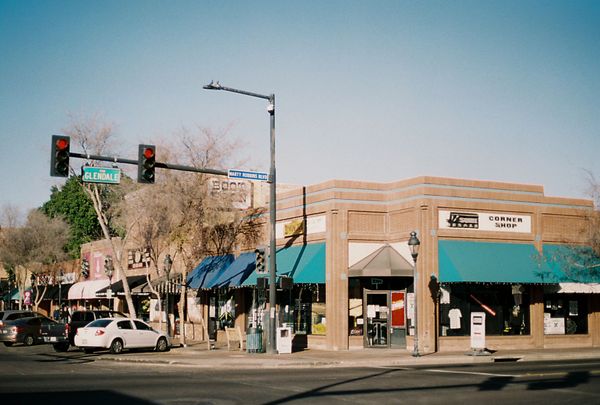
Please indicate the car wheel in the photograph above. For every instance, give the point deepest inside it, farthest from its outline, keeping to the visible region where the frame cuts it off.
(28, 340)
(87, 350)
(8, 344)
(116, 346)
(61, 347)
(162, 345)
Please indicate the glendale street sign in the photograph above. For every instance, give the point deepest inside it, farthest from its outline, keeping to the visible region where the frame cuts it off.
(104, 175)
(246, 175)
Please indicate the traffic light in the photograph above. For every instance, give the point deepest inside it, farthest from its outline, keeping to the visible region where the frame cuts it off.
(108, 265)
(146, 163)
(59, 165)
(286, 283)
(260, 260)
(85, 268)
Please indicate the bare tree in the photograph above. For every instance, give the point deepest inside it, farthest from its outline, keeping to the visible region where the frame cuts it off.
(179, 215)
(24, 249)
(94, 136)
(146, 212)
(594, 218)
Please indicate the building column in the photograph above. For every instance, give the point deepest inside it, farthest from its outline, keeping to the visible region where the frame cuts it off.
(536, 316)
(426, 266)
(336, 279)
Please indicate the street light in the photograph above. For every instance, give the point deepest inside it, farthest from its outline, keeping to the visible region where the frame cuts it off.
(272, 206)
(60, 280)
(168, 264)
(108, 269)
(413, 244)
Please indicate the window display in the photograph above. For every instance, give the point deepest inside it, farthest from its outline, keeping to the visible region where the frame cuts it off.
(506, 307)
(565, 314)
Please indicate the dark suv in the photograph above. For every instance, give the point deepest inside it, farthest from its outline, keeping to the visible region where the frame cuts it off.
(9, 315)
(82, 318)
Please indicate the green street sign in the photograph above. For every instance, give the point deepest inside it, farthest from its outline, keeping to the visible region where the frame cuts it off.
(106, 175)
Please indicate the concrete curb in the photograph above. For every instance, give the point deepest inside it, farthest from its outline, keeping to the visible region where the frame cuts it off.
(219, 359)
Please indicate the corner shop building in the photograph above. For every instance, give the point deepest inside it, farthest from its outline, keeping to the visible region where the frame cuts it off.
(502, 249)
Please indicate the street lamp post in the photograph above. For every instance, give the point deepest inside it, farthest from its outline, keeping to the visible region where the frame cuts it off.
(33, 286)
(413, 244)
(168, 264)
(272, 206)
(60, 280)
(108, 269)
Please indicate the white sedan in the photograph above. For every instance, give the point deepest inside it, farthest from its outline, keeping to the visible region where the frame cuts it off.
(117, 334)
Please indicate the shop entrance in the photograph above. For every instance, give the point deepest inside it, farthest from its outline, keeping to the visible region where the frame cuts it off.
(385, 318)
(377, 318)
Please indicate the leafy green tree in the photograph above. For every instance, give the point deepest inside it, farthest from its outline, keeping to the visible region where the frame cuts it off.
(73, 204)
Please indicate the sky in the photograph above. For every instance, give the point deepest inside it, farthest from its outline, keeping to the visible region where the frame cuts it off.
(365, 90)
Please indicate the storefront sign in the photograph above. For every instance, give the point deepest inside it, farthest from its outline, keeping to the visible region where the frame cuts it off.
(294, 228)
(238, 190)
(484, 221)
(311, 226)
(138, 258)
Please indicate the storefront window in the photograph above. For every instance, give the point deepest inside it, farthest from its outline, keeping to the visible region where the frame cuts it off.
(565, 314)
(309, 309)
(355, 307)
(506, 308)
(226, 311)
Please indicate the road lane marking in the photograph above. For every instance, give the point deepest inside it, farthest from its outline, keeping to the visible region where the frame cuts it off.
(432, 370)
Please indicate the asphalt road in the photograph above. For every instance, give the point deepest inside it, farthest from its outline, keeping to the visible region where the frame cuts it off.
(37, 375)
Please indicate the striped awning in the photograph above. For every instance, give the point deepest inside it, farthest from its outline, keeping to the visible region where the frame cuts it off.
(117, 286)
(172, 285)
(85, 290)
(209, 269)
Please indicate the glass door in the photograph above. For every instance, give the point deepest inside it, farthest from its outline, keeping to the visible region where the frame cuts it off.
(376, 312)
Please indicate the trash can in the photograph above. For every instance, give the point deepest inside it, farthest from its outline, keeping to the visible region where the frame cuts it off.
(254, 340)
(284, 340)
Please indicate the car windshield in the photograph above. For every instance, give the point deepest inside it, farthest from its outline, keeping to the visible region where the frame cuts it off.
(99, 323)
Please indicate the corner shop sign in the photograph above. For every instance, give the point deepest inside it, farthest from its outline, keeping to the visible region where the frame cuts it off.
(484, 221)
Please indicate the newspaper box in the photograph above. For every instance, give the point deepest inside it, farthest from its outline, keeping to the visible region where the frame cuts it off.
(284, 340)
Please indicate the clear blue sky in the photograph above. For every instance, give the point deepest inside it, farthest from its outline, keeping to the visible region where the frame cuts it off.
(366, 90)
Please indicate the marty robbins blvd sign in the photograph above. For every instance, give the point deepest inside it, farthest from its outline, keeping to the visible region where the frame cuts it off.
(106, 175)
(247, 175)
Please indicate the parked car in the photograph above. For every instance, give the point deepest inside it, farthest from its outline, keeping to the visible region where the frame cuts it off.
(117, 334)
(9, 315)
(22, 330)
(55, 333)
(82, 318)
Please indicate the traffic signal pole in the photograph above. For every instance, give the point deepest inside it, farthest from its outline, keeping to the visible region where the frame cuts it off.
(161, 165)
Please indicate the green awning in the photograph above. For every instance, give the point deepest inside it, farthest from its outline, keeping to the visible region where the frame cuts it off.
(572, 264)
(304, 263)
(486, 262)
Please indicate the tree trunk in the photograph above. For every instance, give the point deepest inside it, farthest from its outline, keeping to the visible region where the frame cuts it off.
(95, 196)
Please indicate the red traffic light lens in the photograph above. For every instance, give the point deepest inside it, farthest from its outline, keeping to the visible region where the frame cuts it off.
(62, 144)
(148, 153)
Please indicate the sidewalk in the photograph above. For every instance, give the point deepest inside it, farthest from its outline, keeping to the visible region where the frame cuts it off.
(198, 355)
